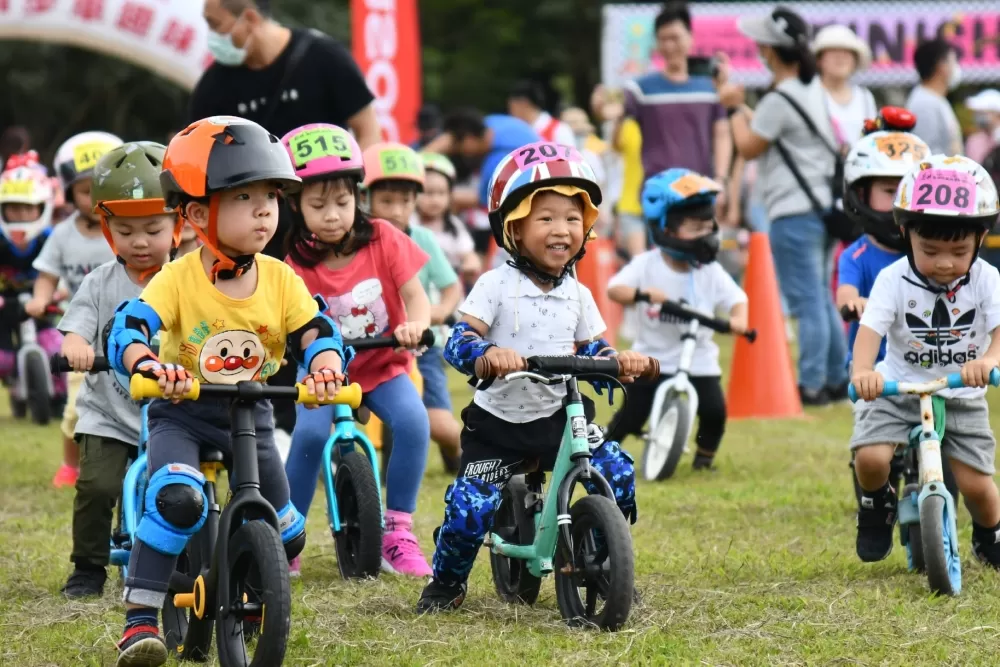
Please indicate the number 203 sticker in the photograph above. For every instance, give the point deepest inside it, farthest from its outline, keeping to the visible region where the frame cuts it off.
(944, 190)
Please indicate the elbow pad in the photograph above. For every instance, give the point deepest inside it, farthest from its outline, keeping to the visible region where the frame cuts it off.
(127, 325)
(465, 346)
(596, 348)
(327, 338)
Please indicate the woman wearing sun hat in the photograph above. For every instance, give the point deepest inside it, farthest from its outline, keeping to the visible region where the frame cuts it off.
(840, 54)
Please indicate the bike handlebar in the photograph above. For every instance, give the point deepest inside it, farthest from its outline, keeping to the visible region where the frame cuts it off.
(143, 387)
(950, 381)
(848, 314)
(715, 324)
(60, 364)
(570, 365)
(361, 344)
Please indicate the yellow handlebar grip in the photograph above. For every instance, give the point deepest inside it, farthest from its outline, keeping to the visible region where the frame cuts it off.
(348, 395)
(143, 387)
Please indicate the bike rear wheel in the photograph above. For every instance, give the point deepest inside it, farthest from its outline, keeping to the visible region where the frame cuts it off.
(943, 567)
(254, 630)
(602, 566)
(359, 542)
(36, 377)
(195, 632)
(666, 439)
(513, 523)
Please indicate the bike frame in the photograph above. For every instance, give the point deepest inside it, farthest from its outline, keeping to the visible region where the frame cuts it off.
(680, 383)
(572, 465)
(346, 437)
(133, 493)
(28, 345)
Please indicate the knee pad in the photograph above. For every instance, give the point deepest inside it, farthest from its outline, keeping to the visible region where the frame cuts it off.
(618, 467)
(175, 510)
(292, 526)
(470, 504)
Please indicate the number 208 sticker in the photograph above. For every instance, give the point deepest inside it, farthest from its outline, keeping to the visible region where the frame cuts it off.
(944, 190)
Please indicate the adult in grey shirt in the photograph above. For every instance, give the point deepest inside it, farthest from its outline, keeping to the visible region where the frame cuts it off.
(798, 236)
(939, 72)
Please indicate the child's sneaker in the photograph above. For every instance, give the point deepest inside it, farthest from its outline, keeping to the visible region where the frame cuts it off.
(295, 567)
(141, 646)
(65, 476)
(85, 582)
(876, 517)
(437, 596)
(400, 550)
(986, 545)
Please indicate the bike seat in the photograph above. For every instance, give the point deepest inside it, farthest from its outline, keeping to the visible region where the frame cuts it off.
(210, 455)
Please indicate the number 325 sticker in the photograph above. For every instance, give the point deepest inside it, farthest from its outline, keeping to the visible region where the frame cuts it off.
(944, 190)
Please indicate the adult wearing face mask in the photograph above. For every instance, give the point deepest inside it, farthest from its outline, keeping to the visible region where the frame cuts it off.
(279, 77)
(939, 71)
(986, 107)
(840, 54)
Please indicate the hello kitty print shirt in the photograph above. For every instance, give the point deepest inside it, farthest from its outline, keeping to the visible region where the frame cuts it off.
(363, 299)
(522, 317)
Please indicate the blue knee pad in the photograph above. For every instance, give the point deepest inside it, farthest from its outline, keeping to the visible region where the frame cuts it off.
(175, 510)
(618, 467)
(470, 504)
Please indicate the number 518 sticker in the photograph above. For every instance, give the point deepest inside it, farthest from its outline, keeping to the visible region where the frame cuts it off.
(944, 190)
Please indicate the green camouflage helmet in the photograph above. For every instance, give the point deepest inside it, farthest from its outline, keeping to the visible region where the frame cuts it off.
(439, 163)
(126, 175)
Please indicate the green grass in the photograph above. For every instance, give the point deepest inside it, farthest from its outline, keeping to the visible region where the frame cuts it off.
(753, 565)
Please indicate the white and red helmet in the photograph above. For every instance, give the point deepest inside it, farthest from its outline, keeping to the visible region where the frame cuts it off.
(24, 181)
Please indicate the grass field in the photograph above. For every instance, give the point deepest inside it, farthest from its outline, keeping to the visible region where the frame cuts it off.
(753, 565)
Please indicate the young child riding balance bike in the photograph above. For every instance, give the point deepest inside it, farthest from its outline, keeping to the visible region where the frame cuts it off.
(937, 308)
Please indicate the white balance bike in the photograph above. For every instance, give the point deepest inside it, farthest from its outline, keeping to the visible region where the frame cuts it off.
(675, 403)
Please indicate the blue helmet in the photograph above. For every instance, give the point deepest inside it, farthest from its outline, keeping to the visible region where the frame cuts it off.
(671, 196)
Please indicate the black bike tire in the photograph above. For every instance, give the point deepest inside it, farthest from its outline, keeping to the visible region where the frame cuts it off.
(680, 436)
(260, 542)
(605, 516)
(511, 578)
(355, 472)
(36, 377)
(932, 533)
(198, 634)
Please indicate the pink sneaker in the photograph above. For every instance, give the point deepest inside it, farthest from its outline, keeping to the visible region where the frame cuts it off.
(295, 567)
(65, 476)
(400, 550)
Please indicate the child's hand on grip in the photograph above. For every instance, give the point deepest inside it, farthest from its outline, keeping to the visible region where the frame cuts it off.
(976, 373)
(174, 379)
(504, 360)
(631, 364)
(408, 334)
(738, 324)
(78, 353)
(868, 384)
(324, 383)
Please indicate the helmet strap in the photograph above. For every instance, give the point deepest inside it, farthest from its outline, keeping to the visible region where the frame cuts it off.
(527, 267)
(925, 283)
(224, 267)
(144, 274)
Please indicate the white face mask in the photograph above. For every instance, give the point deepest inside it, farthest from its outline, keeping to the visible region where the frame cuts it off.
(956, 76)
(224, 51)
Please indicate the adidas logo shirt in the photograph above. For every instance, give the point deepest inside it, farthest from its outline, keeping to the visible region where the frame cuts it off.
(929, 335)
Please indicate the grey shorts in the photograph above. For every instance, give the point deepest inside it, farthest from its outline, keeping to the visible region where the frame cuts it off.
(968, 436)
(628, 224)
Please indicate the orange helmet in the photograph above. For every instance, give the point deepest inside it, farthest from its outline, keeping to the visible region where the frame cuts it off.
(221, 153)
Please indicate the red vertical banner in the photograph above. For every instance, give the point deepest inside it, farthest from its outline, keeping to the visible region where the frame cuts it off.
(386, 46)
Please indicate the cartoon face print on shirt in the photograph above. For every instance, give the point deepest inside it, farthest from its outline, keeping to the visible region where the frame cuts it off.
(229, 357)
(361, 313)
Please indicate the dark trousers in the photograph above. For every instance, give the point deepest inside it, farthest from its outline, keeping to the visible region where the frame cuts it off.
(284, 410)
(711, 411)
(102, 469)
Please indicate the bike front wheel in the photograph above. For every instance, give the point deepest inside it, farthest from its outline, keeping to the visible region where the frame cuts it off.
(666, 439)
(602, 566)
(253, 632)
(359, 542)
(36, 372)
(513, 523)
(941, 561)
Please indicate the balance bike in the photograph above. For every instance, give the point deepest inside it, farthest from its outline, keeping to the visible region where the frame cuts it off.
(587, 545)
(241, 580)
(927, 510)
(32, 390)
(675, 402)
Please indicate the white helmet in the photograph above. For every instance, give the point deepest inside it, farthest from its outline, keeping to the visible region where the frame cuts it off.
(25, 182)
(76, 158)
(952, 189)
(882, 154)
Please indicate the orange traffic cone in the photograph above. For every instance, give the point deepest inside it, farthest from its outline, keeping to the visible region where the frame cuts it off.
(761, 381)
(595, 271)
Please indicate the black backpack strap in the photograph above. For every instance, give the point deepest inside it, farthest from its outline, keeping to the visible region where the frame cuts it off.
(799, 178)
(295, 57)
(809, 122)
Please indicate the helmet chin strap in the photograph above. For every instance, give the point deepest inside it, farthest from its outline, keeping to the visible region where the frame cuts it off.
(224, 267)
(925, 282)
(526, 266)
(143, 273)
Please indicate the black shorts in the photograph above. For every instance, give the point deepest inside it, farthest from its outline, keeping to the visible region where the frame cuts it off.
(494, 450)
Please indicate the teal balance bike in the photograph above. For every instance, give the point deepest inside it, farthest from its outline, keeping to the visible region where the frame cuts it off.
(352, 485)
(587, 544)
(927, 510)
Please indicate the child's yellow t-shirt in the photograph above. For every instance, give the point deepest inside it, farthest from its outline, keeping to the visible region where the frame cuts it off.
(219, 339)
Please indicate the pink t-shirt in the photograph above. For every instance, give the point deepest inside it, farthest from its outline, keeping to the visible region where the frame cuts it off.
(363, 298)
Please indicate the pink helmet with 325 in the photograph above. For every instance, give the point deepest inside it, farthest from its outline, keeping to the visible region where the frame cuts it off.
(321, 150)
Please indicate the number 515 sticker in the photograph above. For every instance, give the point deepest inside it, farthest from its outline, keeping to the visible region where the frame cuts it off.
(944, 190)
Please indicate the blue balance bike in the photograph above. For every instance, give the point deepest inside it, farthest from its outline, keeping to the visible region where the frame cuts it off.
(927, 509)
(352, 484)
